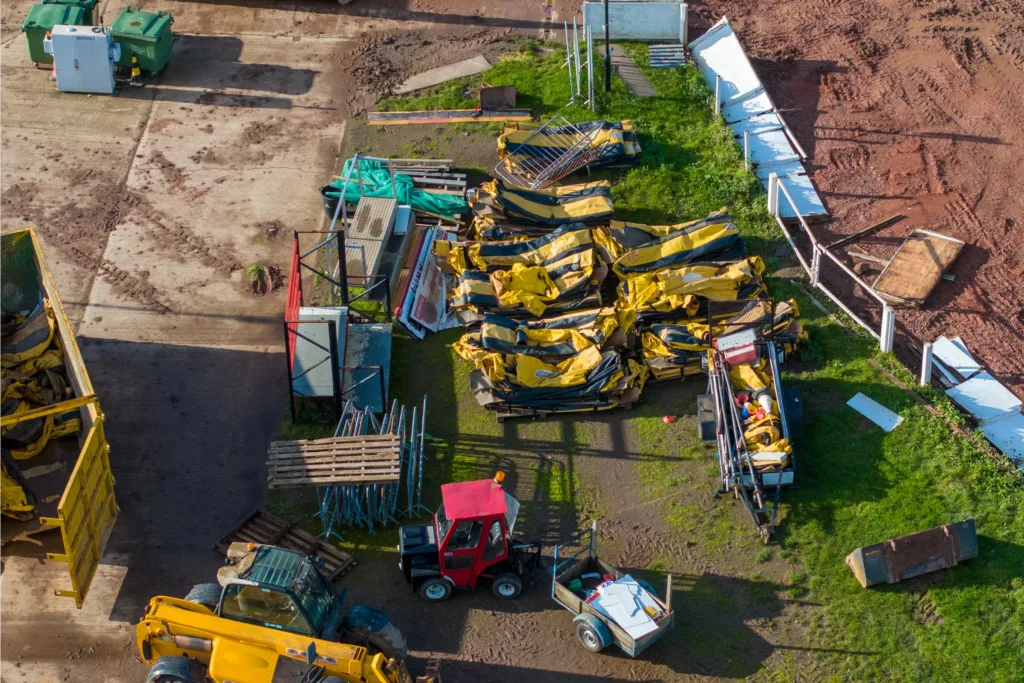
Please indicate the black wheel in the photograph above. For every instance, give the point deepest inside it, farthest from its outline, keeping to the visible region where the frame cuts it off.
(207, 594)
(389, 641)
(589, 637)
(167, 678)
(507, 586)
(435, 590)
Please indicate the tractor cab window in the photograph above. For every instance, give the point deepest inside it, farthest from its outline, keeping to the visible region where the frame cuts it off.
(312, 592)
(263, 607)
(443, 524)
(466, 535)
(495, 542)
(511, 511)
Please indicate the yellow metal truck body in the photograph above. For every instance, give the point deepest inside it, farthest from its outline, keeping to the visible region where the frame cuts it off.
(87, 510)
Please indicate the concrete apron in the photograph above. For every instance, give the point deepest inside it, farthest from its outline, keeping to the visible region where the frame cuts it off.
(189, 366)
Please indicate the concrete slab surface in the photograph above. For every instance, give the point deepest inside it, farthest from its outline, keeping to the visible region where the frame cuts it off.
(630, 73)
(442, 74)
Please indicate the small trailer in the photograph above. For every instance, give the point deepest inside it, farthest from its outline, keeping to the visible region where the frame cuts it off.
(577, 558)
(753, 432)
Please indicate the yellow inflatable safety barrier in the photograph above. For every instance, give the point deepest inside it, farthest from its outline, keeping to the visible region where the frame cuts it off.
(528, 286)
(31, 336)
(713, 238)
(16, 500)
(678, 289)
(532, 372)
(559, 205)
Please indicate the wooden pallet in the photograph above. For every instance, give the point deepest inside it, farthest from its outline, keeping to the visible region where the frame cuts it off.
(337, 461)
(915, 270)
(264, 528)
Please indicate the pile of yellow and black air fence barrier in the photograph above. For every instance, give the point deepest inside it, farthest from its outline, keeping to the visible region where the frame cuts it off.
(569, 310)
(32, 375)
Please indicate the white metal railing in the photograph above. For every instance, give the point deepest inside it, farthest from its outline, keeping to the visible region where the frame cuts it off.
(777, 190)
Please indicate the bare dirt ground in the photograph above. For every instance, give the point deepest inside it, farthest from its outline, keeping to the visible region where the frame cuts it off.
(913, 108)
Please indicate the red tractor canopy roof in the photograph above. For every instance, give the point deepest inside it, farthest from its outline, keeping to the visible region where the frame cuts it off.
(472, 499)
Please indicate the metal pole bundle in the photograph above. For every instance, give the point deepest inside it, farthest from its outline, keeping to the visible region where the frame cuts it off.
(377, 504)
(568, 63)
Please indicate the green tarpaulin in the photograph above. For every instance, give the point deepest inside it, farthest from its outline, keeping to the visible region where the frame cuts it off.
(376, 182)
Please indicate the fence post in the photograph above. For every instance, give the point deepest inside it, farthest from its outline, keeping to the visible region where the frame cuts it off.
(773, 194)
(746, 149)
(926, 365)
(718, 97)
(682, 24)
(343, 267)
(888, 328)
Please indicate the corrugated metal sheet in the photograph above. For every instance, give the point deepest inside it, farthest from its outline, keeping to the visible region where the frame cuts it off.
(667, 56)
(747, 108)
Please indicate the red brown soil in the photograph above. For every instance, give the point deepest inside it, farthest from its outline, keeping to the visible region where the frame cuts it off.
(912, 108)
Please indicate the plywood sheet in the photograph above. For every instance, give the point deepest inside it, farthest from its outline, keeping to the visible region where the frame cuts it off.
(917, 267)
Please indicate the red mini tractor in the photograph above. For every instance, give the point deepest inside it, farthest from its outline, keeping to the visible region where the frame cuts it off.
(470, 539)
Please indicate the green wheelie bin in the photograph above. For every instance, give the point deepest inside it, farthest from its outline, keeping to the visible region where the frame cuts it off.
(87, 5)
(146, 35)
(41, 19)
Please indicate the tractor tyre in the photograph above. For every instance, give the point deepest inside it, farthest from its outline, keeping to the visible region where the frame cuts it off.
(388, 641)
(588, 636)
(507, 586)
(435, 590)
(206, 594)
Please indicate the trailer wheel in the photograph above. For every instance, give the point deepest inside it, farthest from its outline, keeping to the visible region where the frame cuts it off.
(589, 637)
(507, 586)
(435, 590)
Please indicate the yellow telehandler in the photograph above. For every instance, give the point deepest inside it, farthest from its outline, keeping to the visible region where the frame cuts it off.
(270, 618)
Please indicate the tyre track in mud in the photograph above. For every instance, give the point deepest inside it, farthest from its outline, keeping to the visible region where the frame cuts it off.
(861, 80)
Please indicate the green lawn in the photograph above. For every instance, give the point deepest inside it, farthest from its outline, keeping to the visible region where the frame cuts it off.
(857, 485)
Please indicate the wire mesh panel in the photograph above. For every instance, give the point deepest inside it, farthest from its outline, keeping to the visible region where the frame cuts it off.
(553, 151)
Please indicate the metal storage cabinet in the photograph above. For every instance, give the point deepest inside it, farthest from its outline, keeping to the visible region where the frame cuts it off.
(84, 59)
(42, 18)
(146, 35)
